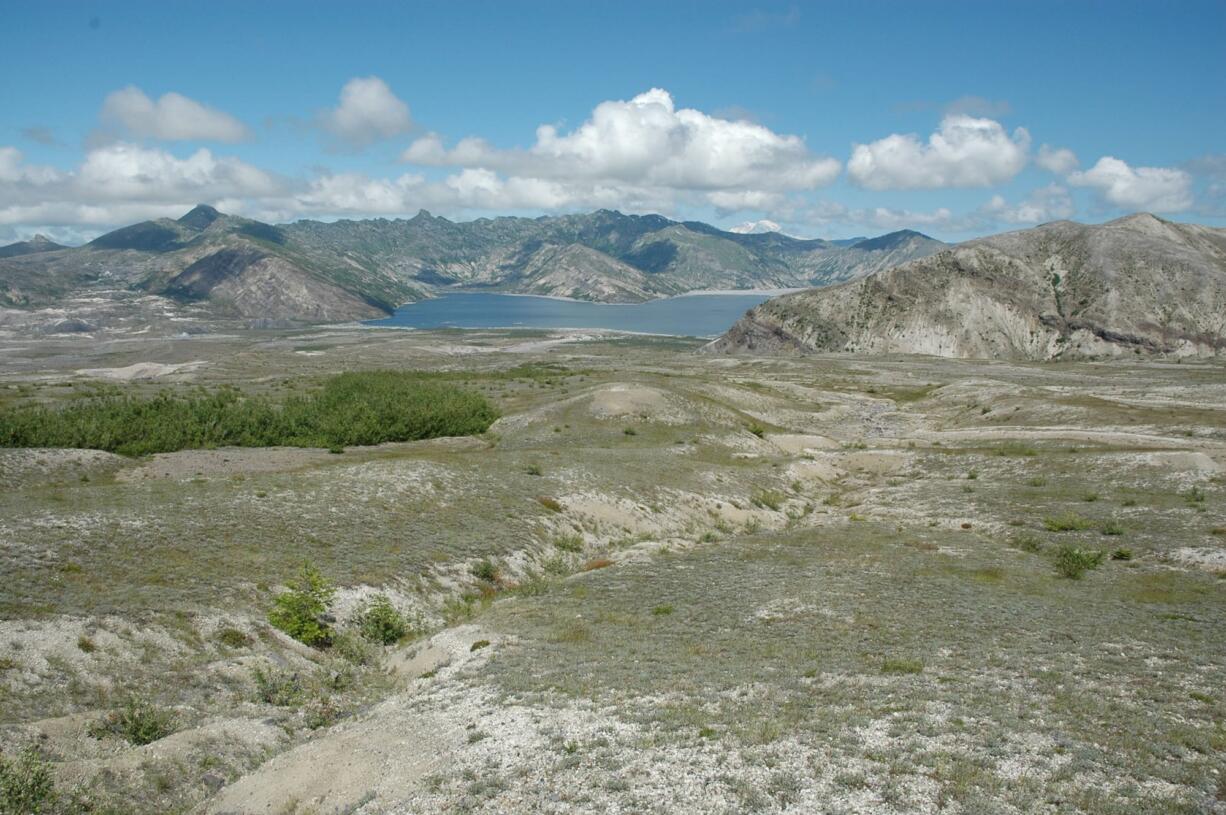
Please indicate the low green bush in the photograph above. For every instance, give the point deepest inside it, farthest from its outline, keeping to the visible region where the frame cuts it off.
(299, 610)
(569, 543)
(276, 686)
(380, 622)
(139, 721)
(1068, 522)
(485, 570)
(357, 408)
(26, 785)
(1072, 562)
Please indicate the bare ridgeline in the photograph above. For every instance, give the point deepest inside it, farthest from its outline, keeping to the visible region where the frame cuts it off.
(947, 536)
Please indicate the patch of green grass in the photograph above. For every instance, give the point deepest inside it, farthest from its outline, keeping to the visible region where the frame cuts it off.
(662, 610)
(1073, 563)
(1112, 528)
(356, 408)
(900, 665)
(1068, 522)
(1121, 554)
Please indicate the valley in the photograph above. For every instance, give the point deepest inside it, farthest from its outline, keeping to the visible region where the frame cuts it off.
(843, 582)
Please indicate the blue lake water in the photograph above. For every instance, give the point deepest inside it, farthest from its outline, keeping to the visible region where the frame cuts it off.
(694, 315)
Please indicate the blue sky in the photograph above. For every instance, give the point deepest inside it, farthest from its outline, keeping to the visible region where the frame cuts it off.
(830, 119)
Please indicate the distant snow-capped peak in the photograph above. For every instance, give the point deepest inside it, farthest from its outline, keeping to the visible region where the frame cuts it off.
(756, 228)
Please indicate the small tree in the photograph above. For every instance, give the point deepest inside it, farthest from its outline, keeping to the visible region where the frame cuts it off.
(299, 610)
(380, 622)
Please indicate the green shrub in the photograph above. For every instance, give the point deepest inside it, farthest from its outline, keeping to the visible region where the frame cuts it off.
(551, 504)
(479, 644)
(1072, 562)
(380, 622)
(569, 543)
(139, 721)
(485, 570)
(354, 648)
(768, 499)
(1122, 554)
(1068, 522)
(1028, 543)
(233, 638)
(630, 431)
(26, 785)
(276, 686)
(757, 429)
(1112, 528)
(357, 408)
(299, 610)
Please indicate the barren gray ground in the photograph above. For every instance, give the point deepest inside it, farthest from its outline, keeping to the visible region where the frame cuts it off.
(724, 585)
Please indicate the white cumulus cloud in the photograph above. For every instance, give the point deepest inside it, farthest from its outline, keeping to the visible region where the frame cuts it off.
(1154, 189)
(964, 152)
(1050, 203)
(645, 148)
(172, 117)
(1056, 160)
(121, 183)
(368, 111)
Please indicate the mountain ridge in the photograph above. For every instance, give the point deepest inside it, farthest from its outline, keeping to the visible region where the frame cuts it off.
(315, 271)
(1135, 285)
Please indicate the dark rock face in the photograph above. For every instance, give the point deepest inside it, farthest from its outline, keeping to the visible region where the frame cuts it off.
(197, 281)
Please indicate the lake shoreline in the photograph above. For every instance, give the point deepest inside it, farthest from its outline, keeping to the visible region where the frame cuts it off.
(702, 315)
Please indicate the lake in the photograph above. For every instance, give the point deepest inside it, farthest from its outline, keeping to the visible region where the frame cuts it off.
(691, 315)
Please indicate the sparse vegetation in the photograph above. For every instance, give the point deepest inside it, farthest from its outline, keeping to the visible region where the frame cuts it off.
(277, 686)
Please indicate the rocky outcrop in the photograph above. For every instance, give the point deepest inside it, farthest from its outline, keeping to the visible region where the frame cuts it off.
(1138, 285)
